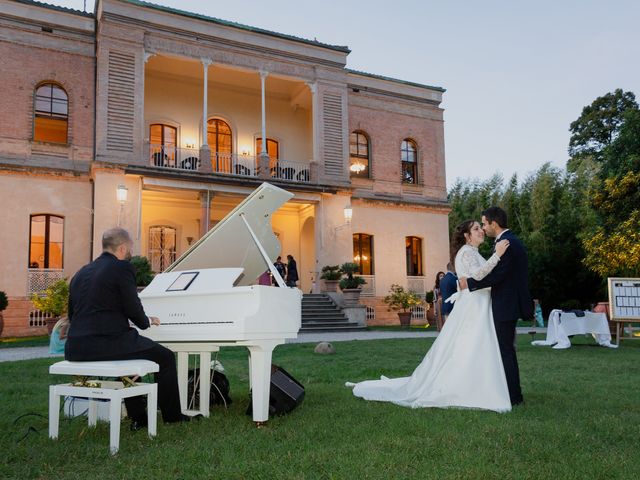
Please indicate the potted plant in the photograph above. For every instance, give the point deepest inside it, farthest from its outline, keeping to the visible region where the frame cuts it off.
(144, 274)
(4, 303)
(350, 285)
(54, 300)
(429, 298)
(401, 301)
(331, 275)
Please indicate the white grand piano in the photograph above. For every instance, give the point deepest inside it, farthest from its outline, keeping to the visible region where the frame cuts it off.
(207, 298)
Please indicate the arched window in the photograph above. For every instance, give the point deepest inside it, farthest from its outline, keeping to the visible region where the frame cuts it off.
(363, 252)
(273, 148)
(46, 241)
(162, 144)
(359, 154)
(162, 247)
(220, 143)
(414, 256)
(51, 114)
(409, 157)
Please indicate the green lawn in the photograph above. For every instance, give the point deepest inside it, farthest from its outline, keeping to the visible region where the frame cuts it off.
(15, 342)
(581, 420)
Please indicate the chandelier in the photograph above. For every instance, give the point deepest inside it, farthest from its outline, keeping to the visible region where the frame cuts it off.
(357, 167)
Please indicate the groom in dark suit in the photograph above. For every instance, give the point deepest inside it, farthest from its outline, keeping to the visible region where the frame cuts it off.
(510, 298)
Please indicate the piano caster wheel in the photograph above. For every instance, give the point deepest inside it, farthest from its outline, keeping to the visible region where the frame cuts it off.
(261, 424)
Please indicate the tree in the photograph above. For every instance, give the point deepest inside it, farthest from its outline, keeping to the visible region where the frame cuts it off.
(599, 124)
(612, 245)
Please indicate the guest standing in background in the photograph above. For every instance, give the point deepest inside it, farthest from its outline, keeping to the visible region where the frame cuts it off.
(437, 300)
(537, 314)
(448, 286)
(292, 271)
(281, 268)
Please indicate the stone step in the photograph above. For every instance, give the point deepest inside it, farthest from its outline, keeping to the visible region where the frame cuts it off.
(349, 326)
(325, 320)
(328, 311)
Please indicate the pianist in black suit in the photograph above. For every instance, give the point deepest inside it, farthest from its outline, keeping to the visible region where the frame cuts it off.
(102, 299)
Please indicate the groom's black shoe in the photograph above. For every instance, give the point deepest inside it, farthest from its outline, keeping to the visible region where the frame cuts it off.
(517, 402)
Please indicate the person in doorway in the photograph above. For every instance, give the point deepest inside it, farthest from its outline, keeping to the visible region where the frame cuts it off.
(292, 272)
(281, 268)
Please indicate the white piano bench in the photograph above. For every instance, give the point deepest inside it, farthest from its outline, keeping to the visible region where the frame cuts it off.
(114, 391)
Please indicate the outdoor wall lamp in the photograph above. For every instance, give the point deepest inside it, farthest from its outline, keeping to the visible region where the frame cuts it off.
(348, 214)
(121, 194)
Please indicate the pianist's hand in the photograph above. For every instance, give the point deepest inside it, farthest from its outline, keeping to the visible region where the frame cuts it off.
(154, 320)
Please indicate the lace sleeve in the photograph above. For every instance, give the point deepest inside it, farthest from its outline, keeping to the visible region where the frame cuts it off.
(485, 267)
(471, 264)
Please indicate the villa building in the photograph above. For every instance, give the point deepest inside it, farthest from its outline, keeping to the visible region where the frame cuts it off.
(161, 121)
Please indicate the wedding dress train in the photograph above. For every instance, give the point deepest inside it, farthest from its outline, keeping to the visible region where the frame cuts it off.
(463, 368)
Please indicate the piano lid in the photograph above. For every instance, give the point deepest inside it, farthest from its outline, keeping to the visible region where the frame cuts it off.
(230, 243)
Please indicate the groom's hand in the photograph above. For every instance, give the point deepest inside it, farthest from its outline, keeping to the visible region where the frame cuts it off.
(463, 283)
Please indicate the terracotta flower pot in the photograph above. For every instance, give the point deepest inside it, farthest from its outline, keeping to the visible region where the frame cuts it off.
(405, 318)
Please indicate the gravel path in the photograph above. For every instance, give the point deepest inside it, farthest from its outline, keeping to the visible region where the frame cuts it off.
(26, 353)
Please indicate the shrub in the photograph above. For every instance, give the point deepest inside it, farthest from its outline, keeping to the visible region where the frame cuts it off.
(4, 301)
(351, 280)
(144, 274)
(401, 299)
(429, 297)
(331, 272)
(54, 300)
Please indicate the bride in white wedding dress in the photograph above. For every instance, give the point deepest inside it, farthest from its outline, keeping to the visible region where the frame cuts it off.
(463, 368)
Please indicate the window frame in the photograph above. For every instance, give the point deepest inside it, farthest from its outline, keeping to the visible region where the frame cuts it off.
(409, 168)
(270, 141)
(47, 241)
(410, 254)
(50, 114)
(359, 252)
(366, 158)
(160, 252)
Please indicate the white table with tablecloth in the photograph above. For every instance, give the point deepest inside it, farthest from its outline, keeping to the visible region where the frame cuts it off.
(562, 325)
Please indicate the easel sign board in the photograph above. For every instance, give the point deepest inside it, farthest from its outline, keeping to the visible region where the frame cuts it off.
(624, 299)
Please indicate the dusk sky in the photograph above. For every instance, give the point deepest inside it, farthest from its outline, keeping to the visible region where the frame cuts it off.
(516, 73)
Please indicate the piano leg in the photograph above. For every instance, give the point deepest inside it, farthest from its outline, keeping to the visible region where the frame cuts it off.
(260, 370)
(205, 382)
(183, 378)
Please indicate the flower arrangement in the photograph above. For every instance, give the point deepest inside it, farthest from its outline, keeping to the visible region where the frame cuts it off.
(351, 280)
(401, 299)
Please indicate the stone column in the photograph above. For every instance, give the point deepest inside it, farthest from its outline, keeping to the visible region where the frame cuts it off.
(315, 145)
(263, 156)
(205, 152)
(205, 212)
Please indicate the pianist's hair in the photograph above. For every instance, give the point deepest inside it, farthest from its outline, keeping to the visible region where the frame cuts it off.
(114, 237)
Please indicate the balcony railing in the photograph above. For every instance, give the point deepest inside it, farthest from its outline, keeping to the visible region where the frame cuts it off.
(188, 159)
(39, 279)
(234, 164)
(167, 156)
(291, 171)
(416, 284)
(369, 288)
